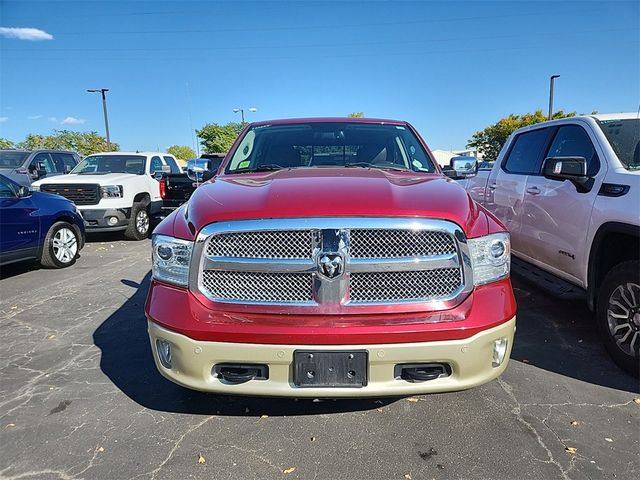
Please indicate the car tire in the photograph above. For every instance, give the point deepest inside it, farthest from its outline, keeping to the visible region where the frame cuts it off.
(139, 223)
(618, 315)
(61, 246)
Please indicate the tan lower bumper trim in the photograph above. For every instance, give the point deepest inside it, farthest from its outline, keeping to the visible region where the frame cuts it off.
(470, 361)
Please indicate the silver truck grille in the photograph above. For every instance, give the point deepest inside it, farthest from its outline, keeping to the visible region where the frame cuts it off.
(332, 264)
(266, 244)
(389, 287)
(373, 243)
(259, 287)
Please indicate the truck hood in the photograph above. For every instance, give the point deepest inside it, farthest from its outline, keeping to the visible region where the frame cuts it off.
(327, 192)
(106, 179)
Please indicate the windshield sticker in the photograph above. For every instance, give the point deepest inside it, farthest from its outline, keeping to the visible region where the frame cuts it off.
(243, 164)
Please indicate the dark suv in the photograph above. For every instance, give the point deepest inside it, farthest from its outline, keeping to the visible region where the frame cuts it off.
(26, 166)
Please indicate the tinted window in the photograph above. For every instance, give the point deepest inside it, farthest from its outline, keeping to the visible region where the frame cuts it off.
(64, 162)
(172, 164)
(318, 145)
(573, 141)
(6, 191)
(156, 165)
(624, 138)
(42, 161)
(10, 159)
(525, 155)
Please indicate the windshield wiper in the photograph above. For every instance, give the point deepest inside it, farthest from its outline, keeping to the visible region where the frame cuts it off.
(378, 167)
(263, 168)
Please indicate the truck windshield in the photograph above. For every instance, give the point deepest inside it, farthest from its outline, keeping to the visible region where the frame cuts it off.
(11, 159)
(101, 164)
(624, 138)
(321, 145)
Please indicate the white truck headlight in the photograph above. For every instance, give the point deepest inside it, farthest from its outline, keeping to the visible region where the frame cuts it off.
(111, 191)
(170, 259)
(490, 257)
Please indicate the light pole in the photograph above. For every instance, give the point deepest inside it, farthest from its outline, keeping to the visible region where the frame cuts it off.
(551, 82)
(104, 108)
(241, 110)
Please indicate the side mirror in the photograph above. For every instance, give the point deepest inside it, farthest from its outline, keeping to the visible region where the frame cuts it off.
(23, 191)
(573, 169)
(208, 175)
(451, 174)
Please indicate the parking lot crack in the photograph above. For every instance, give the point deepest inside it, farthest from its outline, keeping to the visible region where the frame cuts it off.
(175, 447)
(517, 411)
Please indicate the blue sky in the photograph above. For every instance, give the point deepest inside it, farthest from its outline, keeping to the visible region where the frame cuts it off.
(450, 68)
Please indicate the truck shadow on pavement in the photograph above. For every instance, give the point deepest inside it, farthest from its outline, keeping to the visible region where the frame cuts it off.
(560, 335)
(127, 361)
(553, 335)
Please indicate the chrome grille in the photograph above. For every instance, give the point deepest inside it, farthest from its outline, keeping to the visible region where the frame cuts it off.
(375, 287)
(263, 244)
(409, 261)
(258, 287)
(382, 243)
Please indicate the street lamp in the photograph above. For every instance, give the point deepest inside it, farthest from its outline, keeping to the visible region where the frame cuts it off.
(241, 110)
(104, 108)
(551, 82)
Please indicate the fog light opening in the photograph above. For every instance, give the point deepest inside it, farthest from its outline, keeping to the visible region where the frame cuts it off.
(113, 220)
(164, 353)
(499, 351)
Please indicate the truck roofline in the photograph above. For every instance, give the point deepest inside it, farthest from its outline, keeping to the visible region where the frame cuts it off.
(291, 121)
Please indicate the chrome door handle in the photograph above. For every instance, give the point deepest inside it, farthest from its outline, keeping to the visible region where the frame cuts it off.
(533, 190)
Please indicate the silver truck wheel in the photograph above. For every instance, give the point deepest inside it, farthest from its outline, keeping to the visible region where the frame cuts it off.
(618, 314)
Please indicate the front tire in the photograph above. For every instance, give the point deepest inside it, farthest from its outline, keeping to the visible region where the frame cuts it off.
(618, 315)
(139, 223)
(61, 246)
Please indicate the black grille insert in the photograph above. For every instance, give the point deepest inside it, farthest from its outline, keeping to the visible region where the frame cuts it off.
(80, 194)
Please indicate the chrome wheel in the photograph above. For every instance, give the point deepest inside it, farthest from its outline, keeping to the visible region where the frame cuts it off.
(65, 245)
(623, 317)
(142, 222)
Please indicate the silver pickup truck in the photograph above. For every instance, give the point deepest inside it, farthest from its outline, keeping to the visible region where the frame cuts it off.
(569, 192)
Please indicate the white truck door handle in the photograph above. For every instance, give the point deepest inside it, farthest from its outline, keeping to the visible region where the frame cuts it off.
(533, 190)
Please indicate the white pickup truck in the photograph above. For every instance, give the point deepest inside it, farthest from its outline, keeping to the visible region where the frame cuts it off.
(115, 190)
(569, 192)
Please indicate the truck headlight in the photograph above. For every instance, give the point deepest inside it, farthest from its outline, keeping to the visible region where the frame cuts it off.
(170, 259)
(111, 191)
(490, 257)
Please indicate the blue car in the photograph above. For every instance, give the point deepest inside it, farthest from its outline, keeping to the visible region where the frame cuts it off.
(38, 226)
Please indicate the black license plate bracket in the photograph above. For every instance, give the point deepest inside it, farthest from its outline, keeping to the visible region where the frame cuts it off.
(330, 368)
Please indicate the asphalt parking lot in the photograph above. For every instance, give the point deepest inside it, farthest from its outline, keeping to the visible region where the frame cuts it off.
(80, 398)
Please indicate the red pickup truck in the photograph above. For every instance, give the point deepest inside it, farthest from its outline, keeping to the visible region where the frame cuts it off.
(330, 258)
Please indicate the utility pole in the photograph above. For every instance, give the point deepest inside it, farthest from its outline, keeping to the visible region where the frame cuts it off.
(103, 91)
(551, 82)
(241, 110)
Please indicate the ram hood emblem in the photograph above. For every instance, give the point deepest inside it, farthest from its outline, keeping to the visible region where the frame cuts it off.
(330, 265)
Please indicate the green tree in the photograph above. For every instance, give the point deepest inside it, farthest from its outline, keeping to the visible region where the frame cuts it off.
(85, 143)
(356, 115)
(216, 138)
(4, 143)
(181, 152)
(489, 141)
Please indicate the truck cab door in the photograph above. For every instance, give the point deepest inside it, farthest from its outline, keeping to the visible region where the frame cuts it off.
(19, 221)
(504, 195)
(556, 215)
